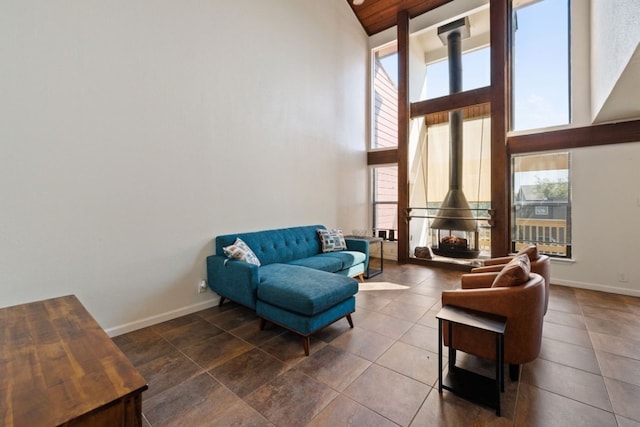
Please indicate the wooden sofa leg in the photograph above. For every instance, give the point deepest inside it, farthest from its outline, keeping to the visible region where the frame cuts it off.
(221, 301)
(262, 323)
(350, 320)
(305, 343)
(361, 277)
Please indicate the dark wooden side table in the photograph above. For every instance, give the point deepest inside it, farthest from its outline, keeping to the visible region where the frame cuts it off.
(466, 384)
(59, 368)
(372, 272)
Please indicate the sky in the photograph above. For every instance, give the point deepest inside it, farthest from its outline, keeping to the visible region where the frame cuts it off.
(541, 75)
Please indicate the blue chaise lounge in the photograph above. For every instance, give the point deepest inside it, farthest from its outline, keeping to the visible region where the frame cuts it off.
(296, 280)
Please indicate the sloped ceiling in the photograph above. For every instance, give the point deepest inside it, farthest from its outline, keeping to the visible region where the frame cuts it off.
(378, 15)
(623, 103)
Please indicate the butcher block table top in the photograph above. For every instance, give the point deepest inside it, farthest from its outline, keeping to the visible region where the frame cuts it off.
(59, 368)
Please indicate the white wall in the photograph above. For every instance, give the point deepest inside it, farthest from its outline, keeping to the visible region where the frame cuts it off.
(134, 132)
(606, 220)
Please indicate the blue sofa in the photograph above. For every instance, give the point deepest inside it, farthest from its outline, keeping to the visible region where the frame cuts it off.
(296, 286)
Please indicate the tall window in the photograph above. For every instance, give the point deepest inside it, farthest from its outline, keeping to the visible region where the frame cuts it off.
(542, 203)
(385, 98)
(449, 151)
(541, 64)
(385, 198)
(384, 135)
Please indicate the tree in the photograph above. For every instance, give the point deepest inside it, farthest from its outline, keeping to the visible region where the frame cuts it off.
(558, 190)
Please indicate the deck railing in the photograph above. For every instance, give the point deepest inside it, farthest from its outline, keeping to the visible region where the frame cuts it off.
(549, 234)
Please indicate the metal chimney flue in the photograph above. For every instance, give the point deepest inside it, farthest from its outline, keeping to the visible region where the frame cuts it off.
(455, 212)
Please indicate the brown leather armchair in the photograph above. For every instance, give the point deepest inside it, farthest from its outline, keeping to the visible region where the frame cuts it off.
(522, 305)
(540, 264)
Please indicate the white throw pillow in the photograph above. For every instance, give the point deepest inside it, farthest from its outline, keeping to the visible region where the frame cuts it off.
(241, 251)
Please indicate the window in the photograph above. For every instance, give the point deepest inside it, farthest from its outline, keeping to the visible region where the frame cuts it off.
(475, 73)
(385, 98)
(540, 91)
(385, 198)
(542, 210)
(449, 151)
(429, 55)
(542, 203)
(429, 166)
(384, 135)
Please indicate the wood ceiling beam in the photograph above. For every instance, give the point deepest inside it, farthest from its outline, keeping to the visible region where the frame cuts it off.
(588, 136)
(454, 101)
(382, 157)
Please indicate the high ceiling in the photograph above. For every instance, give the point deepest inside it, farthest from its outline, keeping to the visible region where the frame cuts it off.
(378, 15)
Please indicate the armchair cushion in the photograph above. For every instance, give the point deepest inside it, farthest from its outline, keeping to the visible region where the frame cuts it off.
(478, 280)
(531, 251)
(515, 273)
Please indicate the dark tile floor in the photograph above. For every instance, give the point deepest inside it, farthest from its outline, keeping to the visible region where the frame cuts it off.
(216, 367)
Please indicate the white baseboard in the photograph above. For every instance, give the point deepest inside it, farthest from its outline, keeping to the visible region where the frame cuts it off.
(597, 287)
(163, 317)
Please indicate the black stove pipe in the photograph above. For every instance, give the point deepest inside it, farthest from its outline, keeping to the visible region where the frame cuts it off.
(455, 212)
(455, 117)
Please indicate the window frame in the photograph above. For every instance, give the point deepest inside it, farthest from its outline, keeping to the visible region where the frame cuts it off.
(543, 232)
(570, 77)
(375, 202)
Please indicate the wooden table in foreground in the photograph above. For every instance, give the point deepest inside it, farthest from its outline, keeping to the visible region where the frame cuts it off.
(59, 368)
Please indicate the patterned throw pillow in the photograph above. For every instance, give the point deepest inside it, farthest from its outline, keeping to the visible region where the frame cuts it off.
(332, 240)
(241, 251)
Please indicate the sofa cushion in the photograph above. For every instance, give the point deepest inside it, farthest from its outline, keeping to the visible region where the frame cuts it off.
(515, 273)
(332, 240)
(277, 246)
(347, 258)
(319, 262)
(241, 251)
(303, 290)
(301, 323)
(332, 261)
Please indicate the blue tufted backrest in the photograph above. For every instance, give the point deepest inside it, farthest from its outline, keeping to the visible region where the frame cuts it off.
(280, 245)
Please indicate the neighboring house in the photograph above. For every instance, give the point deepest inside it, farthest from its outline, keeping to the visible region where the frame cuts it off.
(542, 220)
(530, 202)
